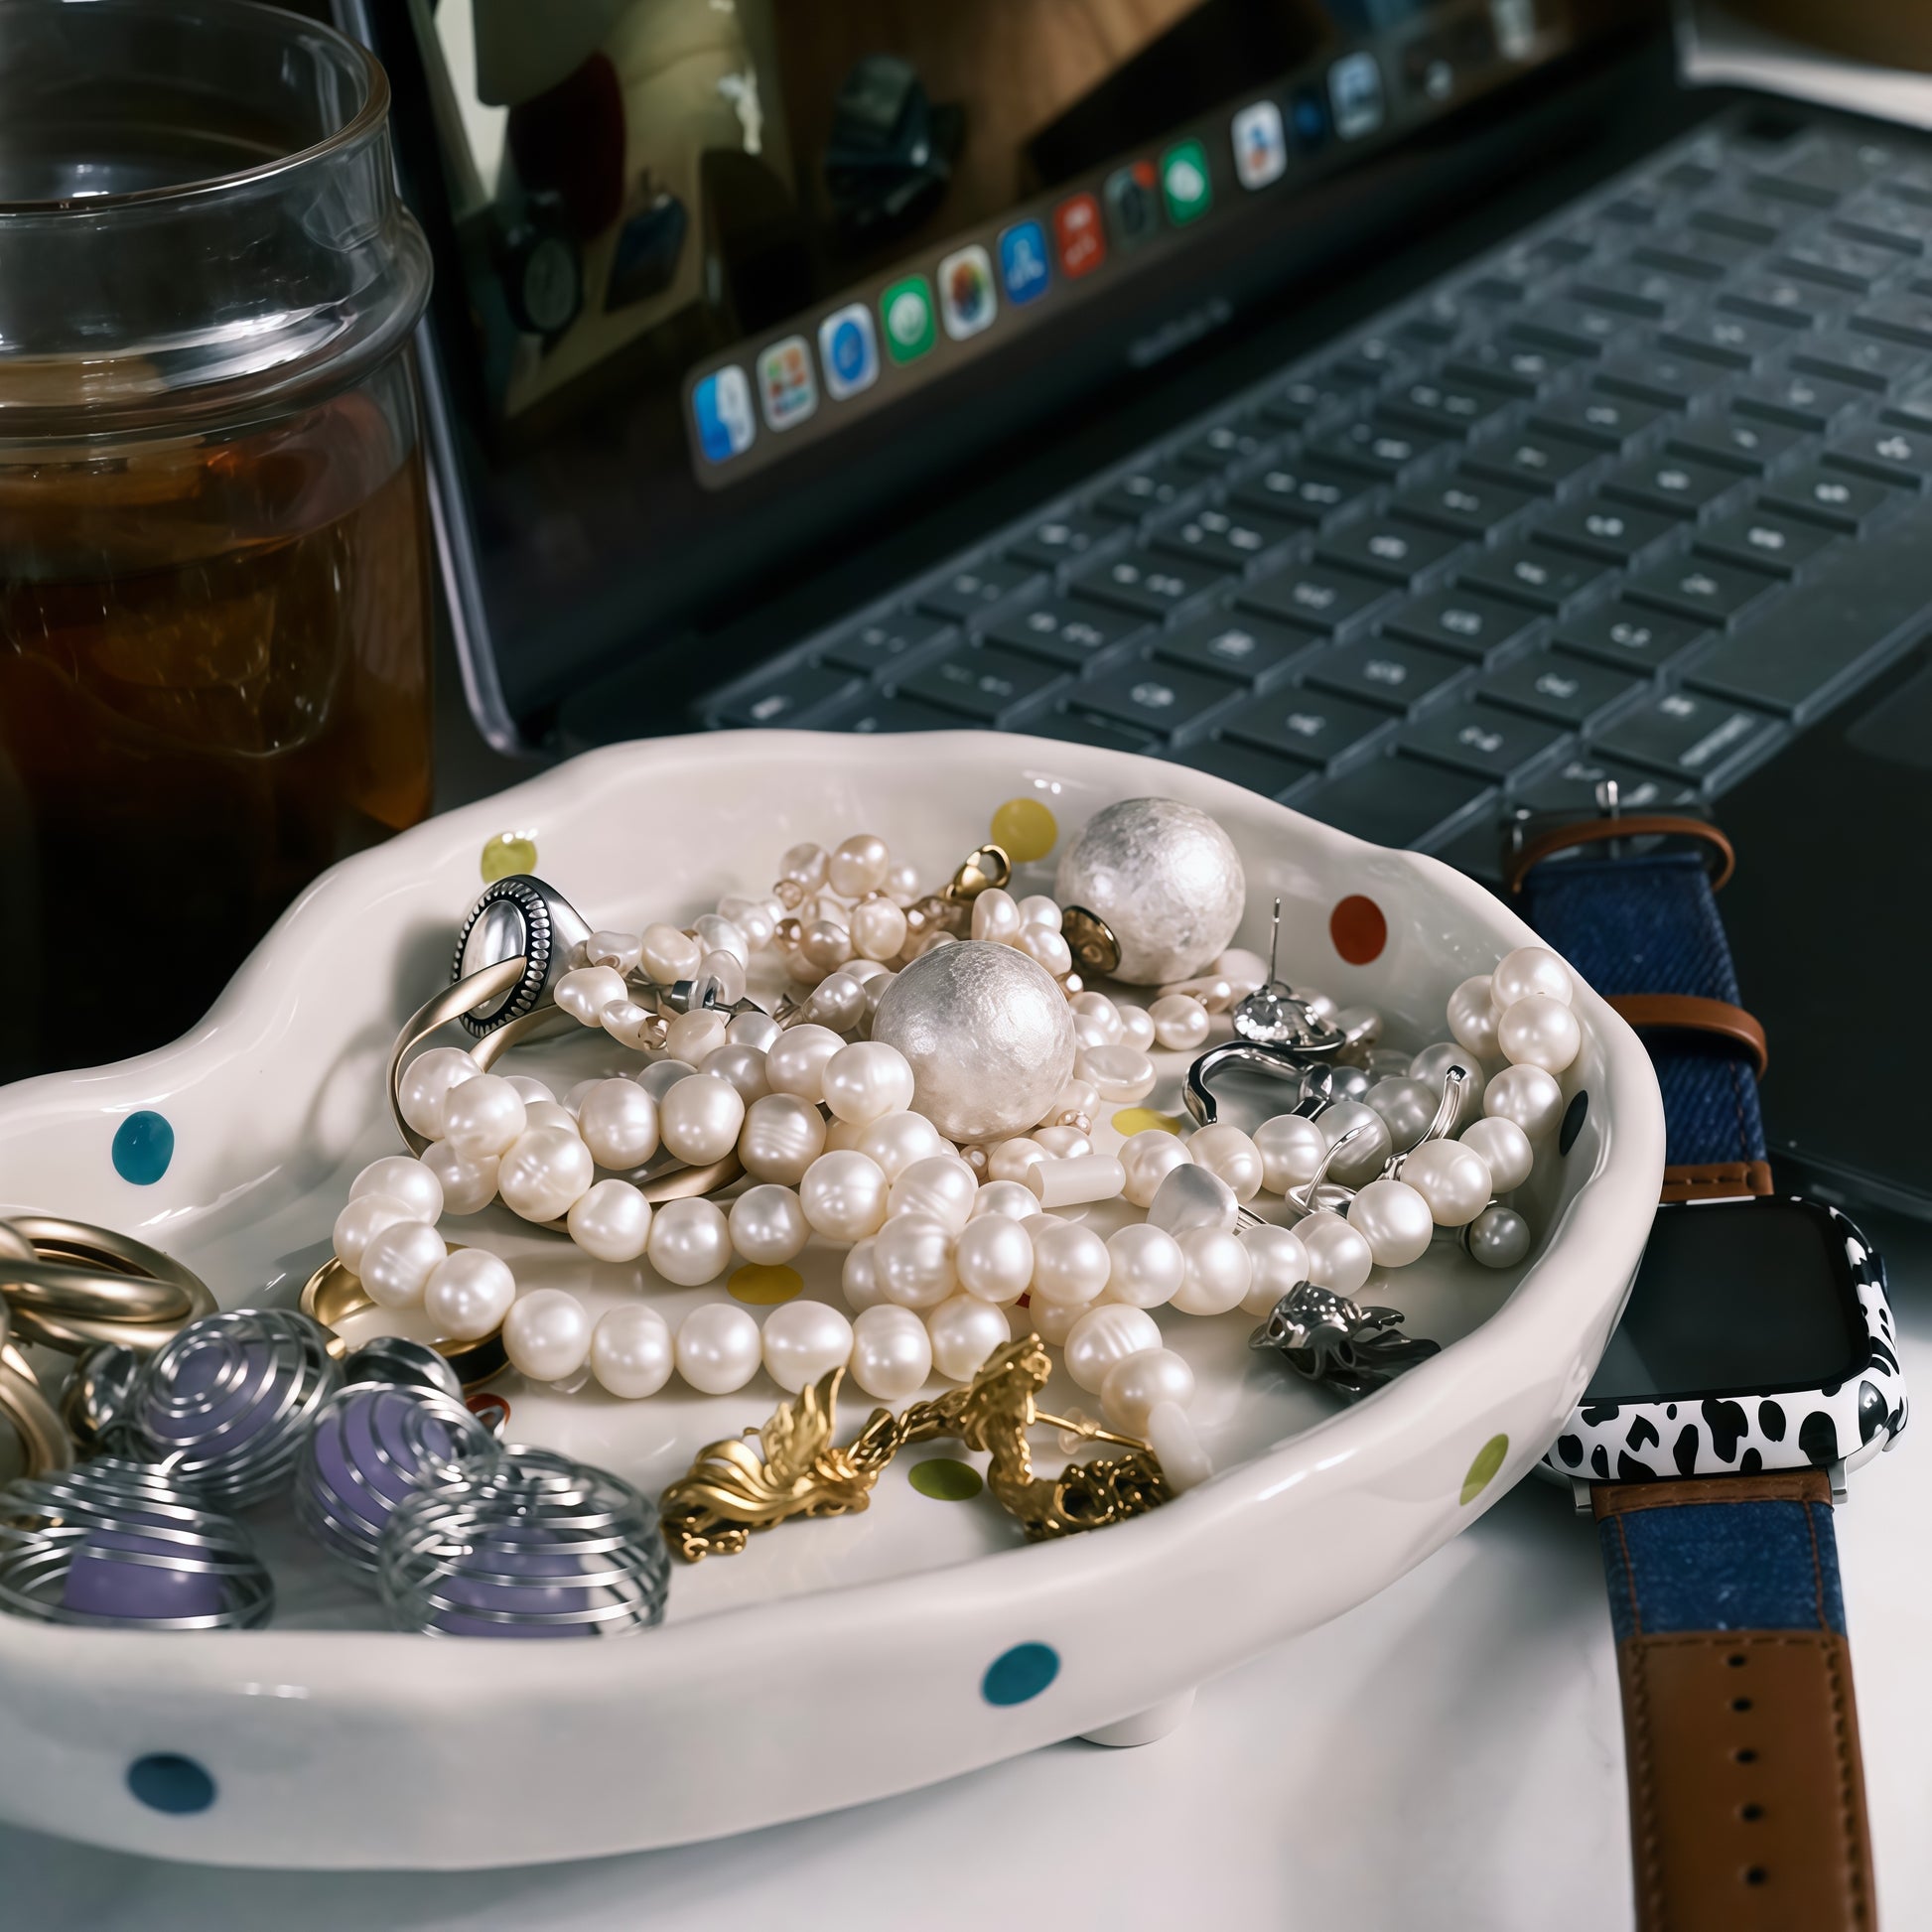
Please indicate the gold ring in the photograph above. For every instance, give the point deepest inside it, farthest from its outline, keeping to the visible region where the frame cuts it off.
(44, 1442)
(332, 1296)
(73, 1285)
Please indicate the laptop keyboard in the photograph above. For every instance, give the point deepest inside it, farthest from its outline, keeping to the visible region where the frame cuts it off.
(1638, 496)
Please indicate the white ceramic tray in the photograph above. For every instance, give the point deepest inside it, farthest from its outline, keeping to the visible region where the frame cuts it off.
(833, 1661)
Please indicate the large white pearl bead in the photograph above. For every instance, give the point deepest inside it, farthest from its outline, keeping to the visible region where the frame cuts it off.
(913, 1257)
(1536, 1030)
(804, 1341)
(1105, 1336)
(782, 1135)
(964, 1330)
(858, 866)
(1527, 1095)
(996, 915)
(546, 1172)
(768, 1224)
(631, 1350)
(468, 1186)
(362, 1222)
(481, 1117)
(797, 1060)
(1120, 1075)
(942, 1185)
(584, 993)
(1505, 1147)
(1226, 1150)
(892, 1353)
(1102, 1018)
(694, 1037)
(1394, 1220)
(1045, 946)
(717, 1346)
(1191, 1198)
(844, 1196)
(994, 1257)
(689, 1242)
(425, 1082)
(1165, 878)
(1013, 1199)
(1499, 1237)
(547, 1334)
(757, 1031)
(1472, 1017)
(1147, 1159)
(898, 1140)
(1144, 1266)
(1453, 1177)
(868, 1080)
(1290, 1147)
(1070, 1262)
(1179, 1022)
(468, 1294)
(1338, 1255)
(398, 1261)
(716, 934)
(1280, 1263)
(1172, 1438)
(1430, 1066)
(668, 955)
(1061, 1142)
(1526, 972)
(1137, 1383)
(1363, 1159)
(404, 1180)
(700, 1119)
(859, 1278)
(743, 1066)
(612, 1222)
(878, 929)
(1219, 1272)
(1408, 1106)
(988, 1035)
(618, 1122)
(1137, 1028)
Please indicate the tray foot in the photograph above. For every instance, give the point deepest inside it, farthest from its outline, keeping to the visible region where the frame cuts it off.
(1144, 1726)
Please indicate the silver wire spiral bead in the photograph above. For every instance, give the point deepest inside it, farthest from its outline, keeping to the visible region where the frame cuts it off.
(115, 1543)
(225, 1408)
(531, 1544)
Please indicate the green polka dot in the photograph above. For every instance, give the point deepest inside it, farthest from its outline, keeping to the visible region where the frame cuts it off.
(766, 1286)
(945, 1479)
(507, 853)
(1482, 1471)
(1141, 1120)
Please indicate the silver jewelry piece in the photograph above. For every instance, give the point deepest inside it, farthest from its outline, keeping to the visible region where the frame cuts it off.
(1275, 1014)
(520, 918)
(98, 1393)
(1338, 1343)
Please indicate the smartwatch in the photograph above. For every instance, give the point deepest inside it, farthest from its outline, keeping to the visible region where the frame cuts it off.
(1754, 1366)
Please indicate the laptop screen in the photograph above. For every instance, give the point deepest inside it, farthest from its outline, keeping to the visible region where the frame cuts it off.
(725, 281)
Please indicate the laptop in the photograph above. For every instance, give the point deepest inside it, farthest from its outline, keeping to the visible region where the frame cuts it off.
(1420, 411)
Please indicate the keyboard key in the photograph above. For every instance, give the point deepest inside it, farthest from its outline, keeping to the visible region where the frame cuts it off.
(869, 648)
(1381, 448)
(1620, 634)
(1776, 299)
(1229, 539)
(1642, 297)
(979, 588)
(1602, 422)
(1463, 622)
(1765, 541)
(1912, 408)
(1386, 671)
(1078, 728)
(1451, 406)
(1570, 787)
(1678, 264)
(1877, 219)
(1055, 540)
(1534, 574)
(1890, 456)
(1296, 488)
(1829, 637)
(1465, 506)
(1381, 546)
(795, 697)
(1824, 173)
(875, 711)
(1310, 726)
(1595, 527)
(1156, 698)
(1322, 596)
(1302, 398)
(1655, 375)
(1745, 444)
(1837, 261)
(1733, 342)
(1904, 318)
(1810, 402)
(1694, 587)
(1684, 734)
(1238, 441)
(1373, 361)
(1865, 365)
(1398, 801)
(1241, 764)
(1480, 739)
(1518, 368)
(1155, 486)
(1152, 585)
(1733, 214)
(1065, 631)
(1243, 648)
(1673, 484)
(1568, 691)
(1576, 327)
(1532, 459)
(1829, 497)
(986, 684)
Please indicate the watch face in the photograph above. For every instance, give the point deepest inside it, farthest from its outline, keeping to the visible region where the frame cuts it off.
(1733, 1297)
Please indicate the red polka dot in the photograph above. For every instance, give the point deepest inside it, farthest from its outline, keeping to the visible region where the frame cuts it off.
(490, 1408)
(1358, 930)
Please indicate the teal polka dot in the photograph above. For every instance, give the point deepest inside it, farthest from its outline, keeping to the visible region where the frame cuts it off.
(144, 1144)
(166, 1782)
(1019, 1673)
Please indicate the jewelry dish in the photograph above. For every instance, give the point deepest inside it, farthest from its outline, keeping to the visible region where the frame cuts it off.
(830, 1662)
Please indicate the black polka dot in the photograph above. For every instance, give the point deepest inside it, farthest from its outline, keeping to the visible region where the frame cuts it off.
(1572, 1122)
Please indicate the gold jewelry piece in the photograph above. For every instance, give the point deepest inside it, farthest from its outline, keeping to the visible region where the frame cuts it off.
(71, 1285)
(1090, 939)
(732, 1489)
(983, 869)
(332, 1296)
(44, 1445)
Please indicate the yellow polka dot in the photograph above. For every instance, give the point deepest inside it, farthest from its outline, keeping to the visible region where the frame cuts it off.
(764, 1287)
(1140, 1120)
(1489, 1458)
(1025, 828)
(507, 853)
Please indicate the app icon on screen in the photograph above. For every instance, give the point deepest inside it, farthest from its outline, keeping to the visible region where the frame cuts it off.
(1022, 261)
(849, 349)
(1132, 205)
(1260, 144)
(905, 310)
(787, 384)
(966, 298)
(722, 404)
(1355, 91)
(1309, 110)
(1077, 232)
(1185, 182)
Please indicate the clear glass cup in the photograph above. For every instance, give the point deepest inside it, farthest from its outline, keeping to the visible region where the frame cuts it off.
(215, 536)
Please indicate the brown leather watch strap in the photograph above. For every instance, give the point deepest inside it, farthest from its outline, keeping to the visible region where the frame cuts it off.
(1746, 1792)
(1716, 1180)
(1686, 1013)
(1636, 825)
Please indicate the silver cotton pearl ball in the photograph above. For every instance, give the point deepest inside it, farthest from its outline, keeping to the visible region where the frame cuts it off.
(1499, 1237)
(988, 1035)
(1165, 878)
